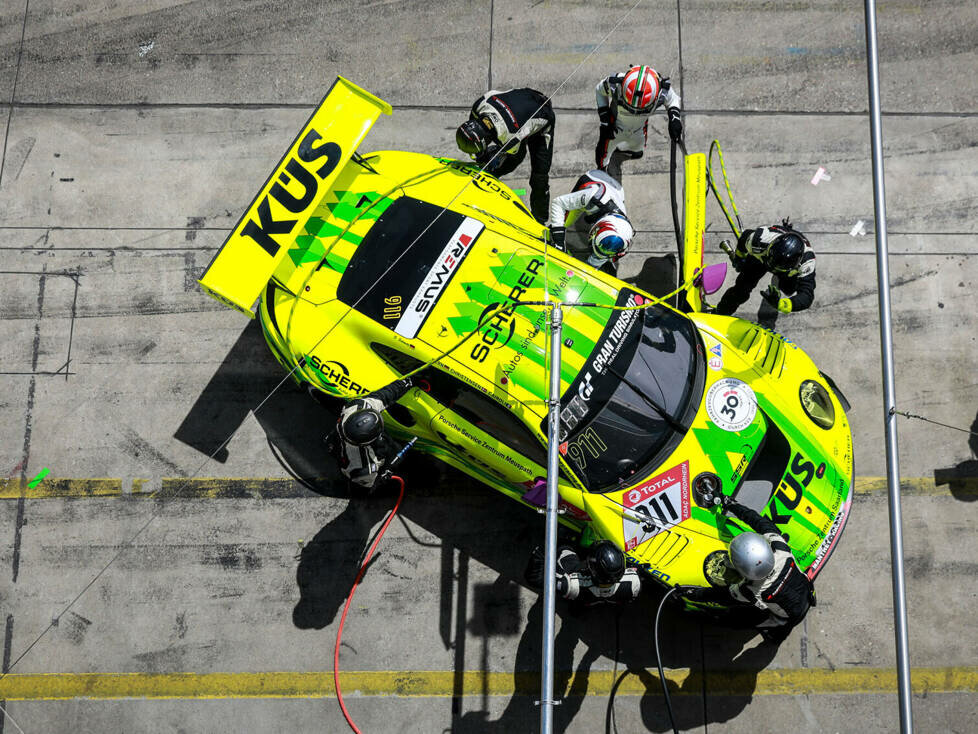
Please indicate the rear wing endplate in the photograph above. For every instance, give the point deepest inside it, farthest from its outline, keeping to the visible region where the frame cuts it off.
(694, 225)
(259, 241)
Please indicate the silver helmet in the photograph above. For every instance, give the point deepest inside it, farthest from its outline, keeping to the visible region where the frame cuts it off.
(751, 555)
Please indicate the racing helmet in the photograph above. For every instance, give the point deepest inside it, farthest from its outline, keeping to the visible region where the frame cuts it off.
(362, 427)
(785, 253)
(605, 563)
(473, 137)
(639, 90)
(611, 235)
(751, 555)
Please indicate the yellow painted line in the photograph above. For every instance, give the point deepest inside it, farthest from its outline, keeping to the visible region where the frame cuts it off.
(282, 488)
(442, 684)
(51, 488)
(965, 486)
(179, 487)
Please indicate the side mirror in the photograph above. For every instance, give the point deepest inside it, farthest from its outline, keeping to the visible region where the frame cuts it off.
(711, 278)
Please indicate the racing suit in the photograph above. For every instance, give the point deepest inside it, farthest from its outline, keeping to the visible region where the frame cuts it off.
(594, 195)
(363, 464)
(785, 594)
(751, 268)
(574, 583)
(623, 134)
(520, 120)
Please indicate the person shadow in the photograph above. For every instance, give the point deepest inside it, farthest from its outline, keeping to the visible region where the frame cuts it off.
(962, 478)
(767, 315)
(657, 276)
(625, 634)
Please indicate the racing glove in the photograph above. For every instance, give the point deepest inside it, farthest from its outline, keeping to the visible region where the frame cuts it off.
(607, 129)
(557, 238)
(675, 124)
(773, 296)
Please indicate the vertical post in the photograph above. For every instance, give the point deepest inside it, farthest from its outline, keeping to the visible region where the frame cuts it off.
(550, 549)
(886, 348)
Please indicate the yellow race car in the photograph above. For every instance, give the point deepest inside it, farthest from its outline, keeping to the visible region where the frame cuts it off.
(368, 267)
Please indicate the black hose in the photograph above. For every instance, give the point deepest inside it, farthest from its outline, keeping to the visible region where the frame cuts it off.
(658, 658)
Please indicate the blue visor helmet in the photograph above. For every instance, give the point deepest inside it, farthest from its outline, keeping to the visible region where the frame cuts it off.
(611, 235)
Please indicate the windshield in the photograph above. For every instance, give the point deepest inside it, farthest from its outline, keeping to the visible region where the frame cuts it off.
(646, 362)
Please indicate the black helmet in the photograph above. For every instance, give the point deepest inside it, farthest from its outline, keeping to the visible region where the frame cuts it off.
(605, 563)
(473, 137)
(786, 252)
(362, 427)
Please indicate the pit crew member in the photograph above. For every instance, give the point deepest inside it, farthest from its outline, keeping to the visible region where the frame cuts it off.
(780, 250)
(600, 578)
(364, 448)
(595, 209)
(625, 102)
(501, 127)
(772, 580)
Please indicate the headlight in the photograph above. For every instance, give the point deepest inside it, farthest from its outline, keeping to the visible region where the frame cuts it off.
(817, 403)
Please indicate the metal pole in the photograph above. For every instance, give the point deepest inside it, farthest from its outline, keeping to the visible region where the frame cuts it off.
(550, 551)
(886, 347)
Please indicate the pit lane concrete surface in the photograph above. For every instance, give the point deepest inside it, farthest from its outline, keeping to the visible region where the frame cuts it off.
(134, 139)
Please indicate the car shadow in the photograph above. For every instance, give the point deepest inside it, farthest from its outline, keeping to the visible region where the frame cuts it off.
(294, 424)
(447, 504)
(962, 479)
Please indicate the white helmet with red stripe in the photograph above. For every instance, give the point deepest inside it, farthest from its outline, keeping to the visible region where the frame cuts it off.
(639, 89)
(610, 236)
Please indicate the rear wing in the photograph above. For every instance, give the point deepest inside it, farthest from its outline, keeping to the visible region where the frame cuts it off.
(259, 241)
(694, 225)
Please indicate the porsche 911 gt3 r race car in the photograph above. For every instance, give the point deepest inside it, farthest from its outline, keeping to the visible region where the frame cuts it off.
(368, 267)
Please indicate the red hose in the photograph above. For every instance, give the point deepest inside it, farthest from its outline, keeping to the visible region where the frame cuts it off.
(346, 608)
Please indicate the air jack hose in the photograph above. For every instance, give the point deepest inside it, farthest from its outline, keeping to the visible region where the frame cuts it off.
(349, 599)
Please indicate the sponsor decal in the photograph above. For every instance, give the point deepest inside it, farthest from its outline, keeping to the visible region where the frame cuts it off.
(479, 179)
(748, 451)
(731, 404)
(506, 456)
(827, 543)
(589, 443)
(520, 349)
(661, 502)
(789, 493)
(607, 352)
(446, 264)
(573, 413)
(336, 375)
(392, 307)
(497, 332)
(588, 392)
(324, 157)
(716, 357)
